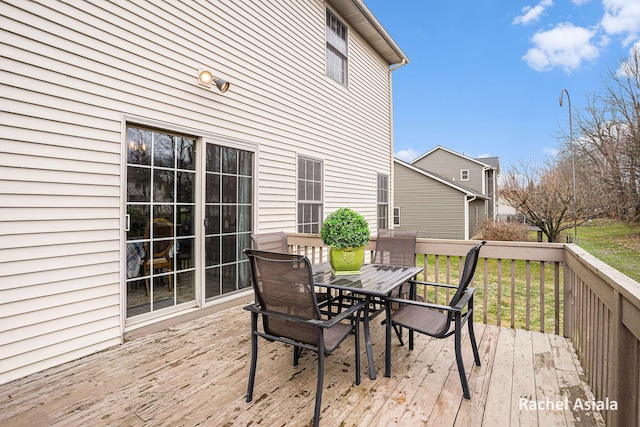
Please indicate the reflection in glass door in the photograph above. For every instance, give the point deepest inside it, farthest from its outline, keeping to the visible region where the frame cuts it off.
(228, 218)
(161, 177)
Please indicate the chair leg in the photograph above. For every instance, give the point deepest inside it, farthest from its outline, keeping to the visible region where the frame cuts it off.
(254, 356)
(398, 330)
(472, 338)
(297, 353)
(320, 384)
(357, 338)
(458, 346)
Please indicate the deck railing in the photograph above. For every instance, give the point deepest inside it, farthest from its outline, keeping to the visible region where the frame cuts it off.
(549, 287)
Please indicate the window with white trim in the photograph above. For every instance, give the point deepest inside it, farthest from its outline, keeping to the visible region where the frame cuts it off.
(310, 185)
(464, 175)
(383, 201)
(336, 36)
(396, 217)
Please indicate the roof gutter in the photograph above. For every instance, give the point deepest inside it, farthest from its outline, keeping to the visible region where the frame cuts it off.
(402, 63)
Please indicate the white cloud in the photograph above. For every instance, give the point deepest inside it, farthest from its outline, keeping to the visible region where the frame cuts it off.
(553, 152)
(627, 67)
(407, 155)
(532, 14)
(565, 46)
(622, 17)
(483, 155)
(580, 2)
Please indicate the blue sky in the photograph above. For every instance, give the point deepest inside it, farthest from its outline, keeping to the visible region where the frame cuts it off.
(485, 76)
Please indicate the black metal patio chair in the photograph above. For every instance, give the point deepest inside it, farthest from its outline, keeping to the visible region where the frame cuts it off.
(440, 321)
(286, 300)
(272, 242)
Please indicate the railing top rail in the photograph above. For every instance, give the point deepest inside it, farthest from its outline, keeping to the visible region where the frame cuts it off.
(625, 285)
(531, 251)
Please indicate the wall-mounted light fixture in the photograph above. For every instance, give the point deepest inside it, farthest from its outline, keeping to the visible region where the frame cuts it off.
(206, 77)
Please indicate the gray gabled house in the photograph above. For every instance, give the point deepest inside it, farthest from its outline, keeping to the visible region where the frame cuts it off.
(445, 194)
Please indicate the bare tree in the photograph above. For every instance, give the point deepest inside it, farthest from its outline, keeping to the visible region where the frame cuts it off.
(544, 194)
(608, 146)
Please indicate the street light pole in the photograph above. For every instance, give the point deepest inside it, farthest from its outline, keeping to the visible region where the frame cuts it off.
(573, 167)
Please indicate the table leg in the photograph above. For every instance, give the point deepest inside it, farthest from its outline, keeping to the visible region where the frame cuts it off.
(367, 339)
(387, 340)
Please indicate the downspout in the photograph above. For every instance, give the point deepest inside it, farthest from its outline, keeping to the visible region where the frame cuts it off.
(484, 189)
(466, 223)
(391, 175)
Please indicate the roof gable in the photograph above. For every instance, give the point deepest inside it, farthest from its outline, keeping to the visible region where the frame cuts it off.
(490, 162)
(452, 184)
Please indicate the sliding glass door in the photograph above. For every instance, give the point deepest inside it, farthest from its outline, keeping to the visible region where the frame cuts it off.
(168, 254)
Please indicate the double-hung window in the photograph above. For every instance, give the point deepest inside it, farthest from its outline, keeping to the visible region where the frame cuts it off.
(383, 201)
(309, 195)
(336, 36)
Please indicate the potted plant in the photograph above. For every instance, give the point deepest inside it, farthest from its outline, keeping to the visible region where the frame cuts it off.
(346, 232)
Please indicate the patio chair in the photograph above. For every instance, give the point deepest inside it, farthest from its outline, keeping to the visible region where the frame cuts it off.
(440, 321)
(286, 300)
(271, 242)
(162, 257)
(277, 242)
(396, 247)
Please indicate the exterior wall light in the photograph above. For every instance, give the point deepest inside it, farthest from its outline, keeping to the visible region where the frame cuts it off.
(206, 77)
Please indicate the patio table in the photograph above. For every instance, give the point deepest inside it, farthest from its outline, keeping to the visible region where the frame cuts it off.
(374, 283)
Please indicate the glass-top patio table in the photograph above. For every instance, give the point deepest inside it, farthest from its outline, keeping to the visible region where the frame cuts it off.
(374, 283)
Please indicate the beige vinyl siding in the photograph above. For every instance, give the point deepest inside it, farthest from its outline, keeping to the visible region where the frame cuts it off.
(71, 72)
(449, 165)
(434, 209)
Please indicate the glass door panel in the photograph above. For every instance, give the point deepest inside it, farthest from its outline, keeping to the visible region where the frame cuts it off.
(161, 264)
(228, 218)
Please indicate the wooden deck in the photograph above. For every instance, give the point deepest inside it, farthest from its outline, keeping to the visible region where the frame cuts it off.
(195, 373)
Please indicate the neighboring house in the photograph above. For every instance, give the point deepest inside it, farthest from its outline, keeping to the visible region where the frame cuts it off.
(445, 194)
(113, 150)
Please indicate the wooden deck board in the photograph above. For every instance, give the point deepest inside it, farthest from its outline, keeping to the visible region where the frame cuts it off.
(196, 374)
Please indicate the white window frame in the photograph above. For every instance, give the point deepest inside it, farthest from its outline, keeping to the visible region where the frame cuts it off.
(317, 202)
(464, 175)
(396, 217)
(336, 48)
(382, 185)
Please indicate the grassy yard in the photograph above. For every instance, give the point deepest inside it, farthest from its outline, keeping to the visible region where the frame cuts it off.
(518, 304)
(506, 302)
(617, 244)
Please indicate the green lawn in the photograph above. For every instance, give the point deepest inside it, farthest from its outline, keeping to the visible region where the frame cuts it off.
(520, 313)
(615, 243)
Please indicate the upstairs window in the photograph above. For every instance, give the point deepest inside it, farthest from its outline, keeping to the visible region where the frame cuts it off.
(464, 175)
(383, 201)
(336, 36)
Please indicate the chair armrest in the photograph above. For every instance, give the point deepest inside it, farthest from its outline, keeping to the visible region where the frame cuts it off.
(342, 315)
(464, 300)
(255, 308)
(440, 285)
(421, 304)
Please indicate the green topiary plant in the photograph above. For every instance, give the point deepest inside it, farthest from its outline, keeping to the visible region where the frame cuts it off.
(345, 228)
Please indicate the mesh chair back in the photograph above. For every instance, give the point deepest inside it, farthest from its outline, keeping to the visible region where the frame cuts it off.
(396, 247)
(271, 242)
(283, 284)
(469, 270)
